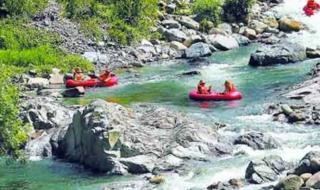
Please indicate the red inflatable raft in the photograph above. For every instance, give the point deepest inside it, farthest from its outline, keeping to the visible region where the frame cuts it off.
(308, 11)
(70, 83)
(214, 96)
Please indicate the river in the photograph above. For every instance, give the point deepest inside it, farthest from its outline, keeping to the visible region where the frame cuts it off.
(162, 85)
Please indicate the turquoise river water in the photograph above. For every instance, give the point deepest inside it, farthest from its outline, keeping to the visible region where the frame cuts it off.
(162, 85)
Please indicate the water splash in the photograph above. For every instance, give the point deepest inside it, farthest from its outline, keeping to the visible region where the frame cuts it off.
(294, 9)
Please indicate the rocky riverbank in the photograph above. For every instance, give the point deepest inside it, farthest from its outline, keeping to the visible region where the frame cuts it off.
(182, 36)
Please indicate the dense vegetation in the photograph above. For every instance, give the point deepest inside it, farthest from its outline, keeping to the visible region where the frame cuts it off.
(128, 20)
(23, 48)
(223, 10)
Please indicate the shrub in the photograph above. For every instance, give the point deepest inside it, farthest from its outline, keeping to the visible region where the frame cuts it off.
(237, 10)
(14, 35)
(25, 7)
(42, 59)
(208, 9)
(13, 133)
(91, 28)
(129, 20)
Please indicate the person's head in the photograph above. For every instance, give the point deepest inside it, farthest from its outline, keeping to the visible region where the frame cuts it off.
(201, 83)
(77, 70)
(311, 1)
(227, 83)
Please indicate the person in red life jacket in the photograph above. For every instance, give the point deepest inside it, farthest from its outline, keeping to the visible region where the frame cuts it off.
(229, 87)
(77, 74)
(105, 76)
(202, 89)
(311, 7)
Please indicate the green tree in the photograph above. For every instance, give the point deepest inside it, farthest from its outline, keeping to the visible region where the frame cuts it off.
(208, 10)
(237, 10)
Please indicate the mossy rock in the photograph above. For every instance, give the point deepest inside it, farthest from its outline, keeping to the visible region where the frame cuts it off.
(291, 182)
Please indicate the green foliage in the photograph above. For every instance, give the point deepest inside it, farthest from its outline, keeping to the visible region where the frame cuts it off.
(43, 59)
(208, 9)
(129, 20)
(91, 28)
(23, 48)
(23, 7)
(206, 25)
(14, 35)
(13, 133)
(237, 10)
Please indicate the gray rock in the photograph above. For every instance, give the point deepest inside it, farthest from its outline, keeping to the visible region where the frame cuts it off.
(189, 22)
(314, 181)
(110, 138)
(139, 164)
(45, 113)
(283, 53)
(198, 50)
(313, 53)
(310, 163)
(192, 40)
(265, 170)
(257, 141)
(74, 92)
(291, 182)
(38, 83)
(248, 32)
(96, 57)
(175, 35)
(223, 42)
(177, 45)
(55, 93)
(169, 24)
(258, 26)
(242, 40)
(225, 27)
(39, 147)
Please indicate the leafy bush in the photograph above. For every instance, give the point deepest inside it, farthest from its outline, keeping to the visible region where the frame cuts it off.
(208, 9)
(13, 133)
(24, 7)
(129, 20)
(237, 10)
(91, 28)
(43, 59)
(14, 35)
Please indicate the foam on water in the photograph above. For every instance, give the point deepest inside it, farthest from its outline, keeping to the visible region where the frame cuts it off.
(294, 9)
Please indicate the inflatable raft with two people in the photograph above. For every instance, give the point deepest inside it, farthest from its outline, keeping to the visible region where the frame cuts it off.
(203, 93)
(105, 79)
(311, 7)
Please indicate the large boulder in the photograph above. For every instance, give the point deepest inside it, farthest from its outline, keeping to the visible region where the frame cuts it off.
(189, 22)
(199, 49)
(288, 25)
(282, 53)
(310, 163)
(291, 182)
(110, 138)
(223, 42)
(265, 170)
(192, 40)
(257, 141)
(175, 35)
(46, 113)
